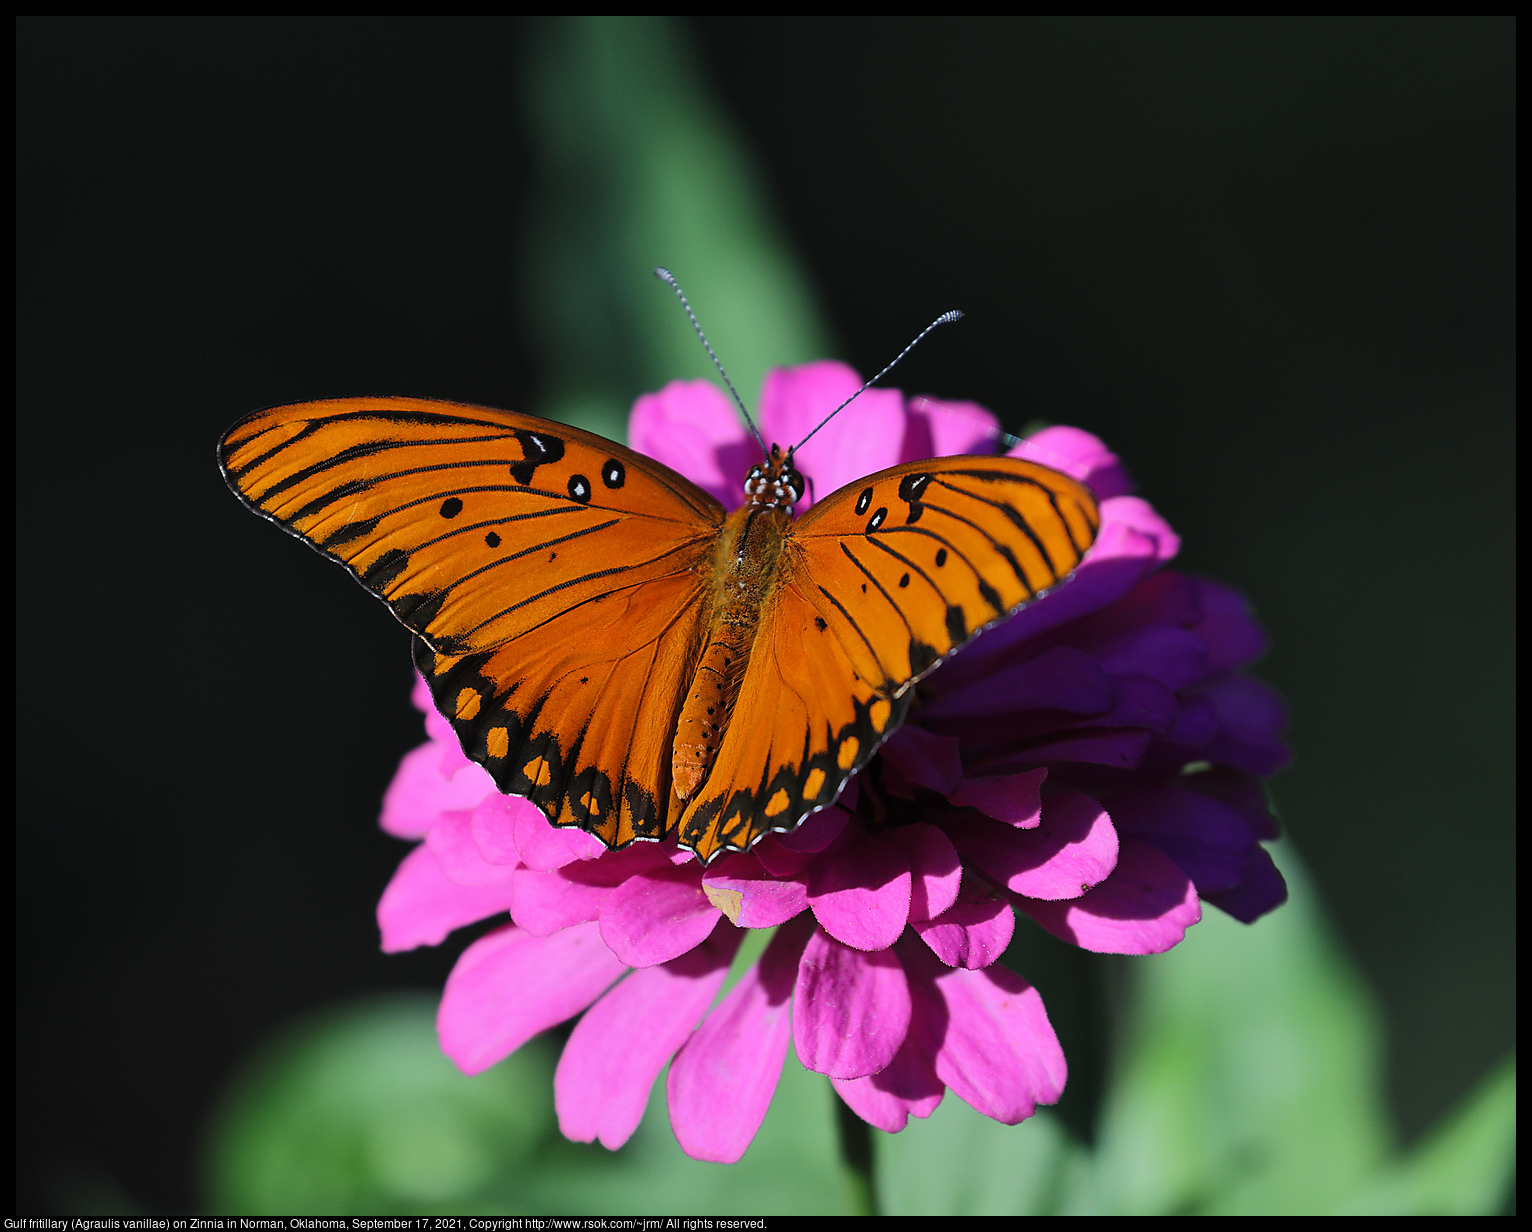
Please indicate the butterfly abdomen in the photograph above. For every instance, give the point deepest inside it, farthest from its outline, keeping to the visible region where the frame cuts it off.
(744, 570)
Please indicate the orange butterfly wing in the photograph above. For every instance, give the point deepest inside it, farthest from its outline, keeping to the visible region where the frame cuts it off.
(879, 582)
(480, 527)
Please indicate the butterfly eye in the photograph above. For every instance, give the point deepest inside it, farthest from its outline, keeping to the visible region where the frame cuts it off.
(795, 485)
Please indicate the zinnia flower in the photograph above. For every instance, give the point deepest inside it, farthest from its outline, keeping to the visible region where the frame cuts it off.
(1092, 761)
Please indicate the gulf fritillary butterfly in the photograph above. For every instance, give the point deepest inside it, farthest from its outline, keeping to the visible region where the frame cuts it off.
(611, 644)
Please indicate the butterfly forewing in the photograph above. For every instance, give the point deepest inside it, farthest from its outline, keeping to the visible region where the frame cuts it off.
(474, 525)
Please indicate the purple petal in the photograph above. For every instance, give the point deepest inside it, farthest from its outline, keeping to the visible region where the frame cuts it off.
(862, 439)
(860, 894)
(907, 1086)
(974, 931)
(654, 917)
(508, 986)
(1261, 889)
(935, 870)
(850, 1010)
(1144, 907)
(421, 904)
(751, 897)
(1228, 628)
(1241, 792)
(1133, 541)
(1015, 799)
(1061, 678)
(620, 1044)
(1079, 454)
(1174, 657)
(1123, 748)
(451, 839)
(1207, 839)
(988, 1034)
(1252, 715)
(722, 1080)
(1072, 849)
(935, 428)
(548, 902)
(420, 791)
(920, 758)
(692, 427)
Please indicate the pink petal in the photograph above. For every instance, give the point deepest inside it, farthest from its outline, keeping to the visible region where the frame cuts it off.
(722, 1080)
(548, 902)
(451, 839)
(494, 827)
(421, 904)
(1015, 799)
(907, 1086)
(750, 897)
(509, 985)
(935, 428)
(620, 1044)
(420, 791)
(936, 872)
(861, 894)
(1080, 455)
(1073, 848)
(863, 438)
(1144, 907)
(988, 1033)
(694, 428)
(850, 1010)
(654, 917)
(974, 931)
(542, 845)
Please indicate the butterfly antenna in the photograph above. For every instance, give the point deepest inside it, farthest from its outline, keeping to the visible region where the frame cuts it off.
(664, 275)
(946, 318)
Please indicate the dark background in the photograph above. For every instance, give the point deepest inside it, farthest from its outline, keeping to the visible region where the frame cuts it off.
(1270, 262)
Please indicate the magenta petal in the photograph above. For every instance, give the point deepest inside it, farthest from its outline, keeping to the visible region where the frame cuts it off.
(1144, 907)
(420, 791)
(935, 428)
(451, 839)
(692, 427)
(621, 1043)
(907, 1086)
(1015, 799)
(509, 985)
(543, 846)
(722, 1080)
(1073, 849)
(548, 902)
(753, 901)
(494, 827)
(862, 439)
(421, 904)
(654, 917)
(974, 931)
(988, 1033)
(861, 894)
(850, 1009)
(1077, 453)
(936, 872)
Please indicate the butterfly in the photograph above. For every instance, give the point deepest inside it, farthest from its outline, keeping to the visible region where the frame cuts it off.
(609, 642)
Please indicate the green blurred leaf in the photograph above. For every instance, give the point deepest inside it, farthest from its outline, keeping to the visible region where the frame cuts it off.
(637, 167)
(1463, 1167)
(359, 1111)
(1250, 1078)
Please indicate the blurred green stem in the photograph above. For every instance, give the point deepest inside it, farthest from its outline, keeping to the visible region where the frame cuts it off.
(856, 1150)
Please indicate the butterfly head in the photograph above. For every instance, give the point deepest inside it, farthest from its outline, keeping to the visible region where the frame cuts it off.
(775, 483)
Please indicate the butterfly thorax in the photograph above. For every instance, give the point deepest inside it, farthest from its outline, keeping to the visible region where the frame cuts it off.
(744, 571)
